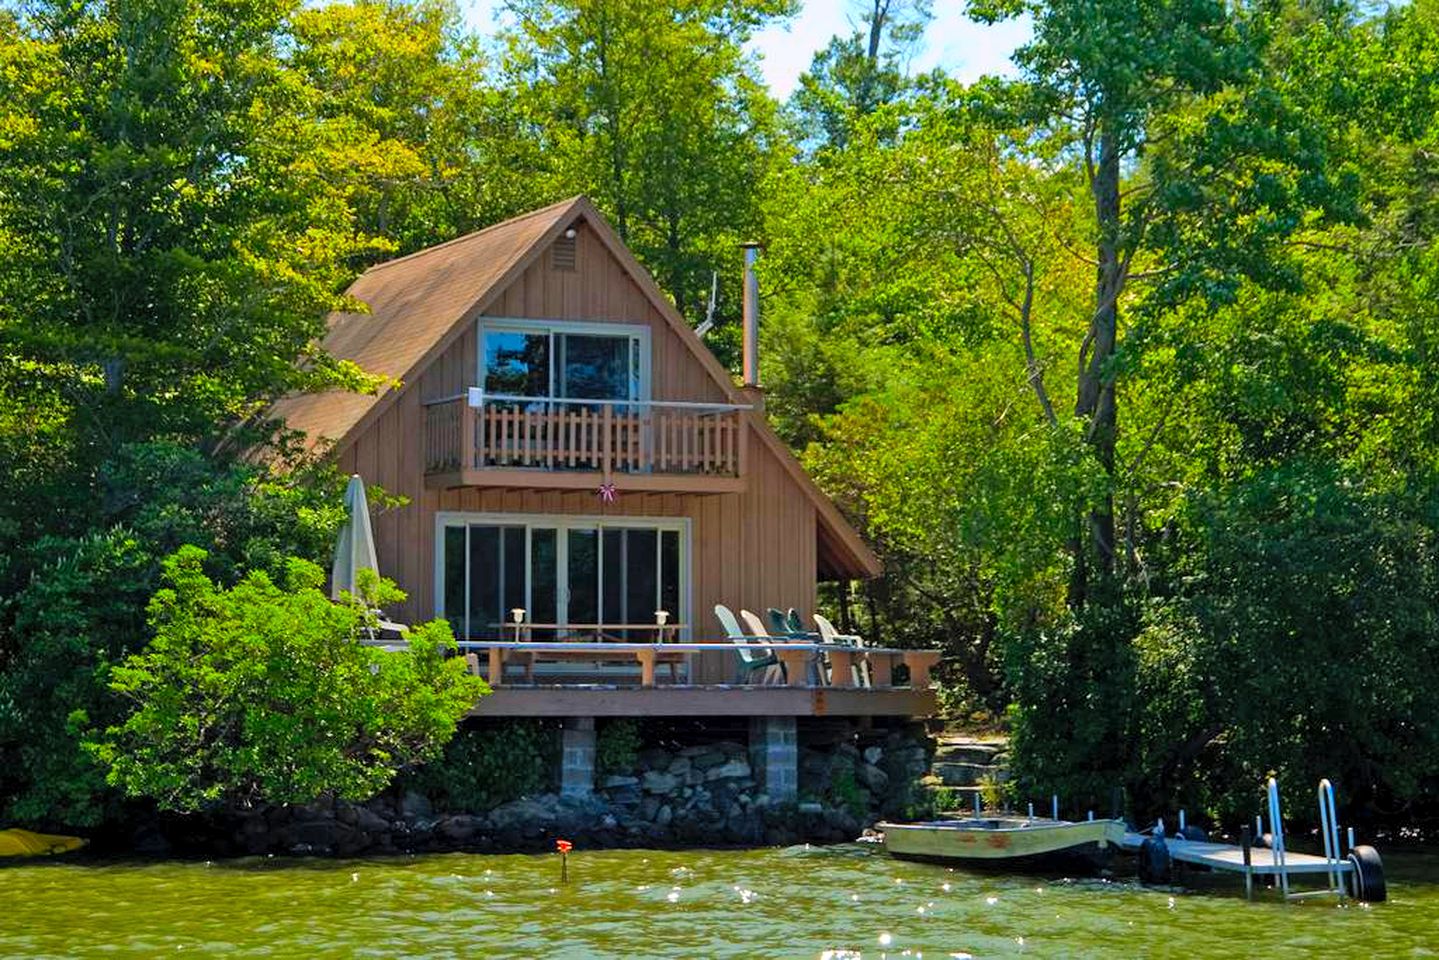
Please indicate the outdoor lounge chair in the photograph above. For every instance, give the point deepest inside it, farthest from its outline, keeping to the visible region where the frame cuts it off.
(860, 668)
(787, 626)
(796, 623)
(779, 622)
(750, 662)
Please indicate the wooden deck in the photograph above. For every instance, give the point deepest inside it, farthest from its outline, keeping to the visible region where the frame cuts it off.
(534, 695)
(714, 700)
(493, 654)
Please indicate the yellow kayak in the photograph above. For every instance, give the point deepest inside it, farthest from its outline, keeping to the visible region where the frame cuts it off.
(28, 843)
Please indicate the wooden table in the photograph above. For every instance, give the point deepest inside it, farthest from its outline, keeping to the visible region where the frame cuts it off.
(666, 632)
(794, 656)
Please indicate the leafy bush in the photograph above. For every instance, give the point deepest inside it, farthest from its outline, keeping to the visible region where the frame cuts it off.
(263, 693)
(483, 767)
(74, 605)
(845, 789)
(80, 612)
(617, 745)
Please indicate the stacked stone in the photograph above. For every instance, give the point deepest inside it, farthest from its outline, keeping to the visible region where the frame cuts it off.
(710, 794)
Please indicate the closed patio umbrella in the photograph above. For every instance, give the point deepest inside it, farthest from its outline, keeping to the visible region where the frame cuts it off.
(355, 550)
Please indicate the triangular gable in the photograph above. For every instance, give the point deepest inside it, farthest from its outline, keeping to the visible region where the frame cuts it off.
(420, 304)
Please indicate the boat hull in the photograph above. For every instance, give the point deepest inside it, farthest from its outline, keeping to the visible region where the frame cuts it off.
(1007, 844)
(27, 843)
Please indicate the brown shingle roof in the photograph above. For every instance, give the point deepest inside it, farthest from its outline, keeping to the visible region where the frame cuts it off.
(414, 302)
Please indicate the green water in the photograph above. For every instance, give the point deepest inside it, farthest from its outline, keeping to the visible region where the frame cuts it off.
(796, 902)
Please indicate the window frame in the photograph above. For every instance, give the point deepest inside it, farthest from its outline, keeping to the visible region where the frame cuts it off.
(561, 524)
(636, 332)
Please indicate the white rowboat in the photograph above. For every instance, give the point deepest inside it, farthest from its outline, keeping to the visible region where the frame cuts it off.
(996, 840)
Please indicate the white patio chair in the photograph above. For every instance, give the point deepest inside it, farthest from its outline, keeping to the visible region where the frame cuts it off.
(860, 668)
(750, 661)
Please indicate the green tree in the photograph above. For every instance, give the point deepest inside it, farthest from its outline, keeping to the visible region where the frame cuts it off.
(1177, 94)
(857, 74)
(266, 694)
(653, 109)
(172, 250)
(429, 147)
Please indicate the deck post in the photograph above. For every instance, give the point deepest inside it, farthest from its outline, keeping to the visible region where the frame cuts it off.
(469, 424)
(1246, 846)
(577, 757)
(774, 756)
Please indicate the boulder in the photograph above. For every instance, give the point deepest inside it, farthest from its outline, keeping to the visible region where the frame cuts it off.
(654, 758)
(711, 757)
(369, 821)
(872, 755)
(415, 806)
(871, 777)
(736, 767)
(614, 780)
(664, 816)
(461, 827)
(656, 782)
(350, 841)
(679, 767)
(318, 835)
(319, 810)
(960, 774)
(521, 816)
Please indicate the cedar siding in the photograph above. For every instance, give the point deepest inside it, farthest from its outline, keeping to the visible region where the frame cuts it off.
(765, 545)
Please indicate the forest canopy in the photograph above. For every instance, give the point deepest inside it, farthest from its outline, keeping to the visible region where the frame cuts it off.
(1125, 363)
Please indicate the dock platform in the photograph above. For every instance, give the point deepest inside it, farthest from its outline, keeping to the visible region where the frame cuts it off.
(1223, 856)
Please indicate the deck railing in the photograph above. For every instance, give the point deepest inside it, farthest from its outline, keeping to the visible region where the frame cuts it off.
(482, 431)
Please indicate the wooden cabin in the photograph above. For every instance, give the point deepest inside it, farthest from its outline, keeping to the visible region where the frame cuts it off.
(579, 466)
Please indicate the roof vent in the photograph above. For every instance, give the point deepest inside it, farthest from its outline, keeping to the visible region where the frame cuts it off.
(563, 254)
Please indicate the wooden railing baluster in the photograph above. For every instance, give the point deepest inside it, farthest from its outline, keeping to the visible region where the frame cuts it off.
(605, 436)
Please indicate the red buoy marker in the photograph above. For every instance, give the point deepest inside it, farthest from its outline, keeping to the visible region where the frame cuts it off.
(564, 847)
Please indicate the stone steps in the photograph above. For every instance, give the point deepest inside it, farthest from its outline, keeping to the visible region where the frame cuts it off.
(966, 774)
(961, 767)
(982, 754)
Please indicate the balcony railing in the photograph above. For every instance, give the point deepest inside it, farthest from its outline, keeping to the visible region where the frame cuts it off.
(481, 432)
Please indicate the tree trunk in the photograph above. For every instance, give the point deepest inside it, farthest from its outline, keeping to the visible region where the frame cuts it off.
(1095, 401)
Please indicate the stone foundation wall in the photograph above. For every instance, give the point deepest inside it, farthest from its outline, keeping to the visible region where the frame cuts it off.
(700, 794)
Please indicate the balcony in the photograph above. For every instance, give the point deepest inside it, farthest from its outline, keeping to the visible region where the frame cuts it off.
(484, 440)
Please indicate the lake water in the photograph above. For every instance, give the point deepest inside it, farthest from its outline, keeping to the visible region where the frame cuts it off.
(795, 902)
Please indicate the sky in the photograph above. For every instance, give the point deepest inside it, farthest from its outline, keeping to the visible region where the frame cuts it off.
(965, 50)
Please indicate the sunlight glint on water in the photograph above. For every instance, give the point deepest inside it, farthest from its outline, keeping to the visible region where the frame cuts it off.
(844, 902)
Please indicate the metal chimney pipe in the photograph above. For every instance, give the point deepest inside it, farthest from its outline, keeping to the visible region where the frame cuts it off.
(751, 316)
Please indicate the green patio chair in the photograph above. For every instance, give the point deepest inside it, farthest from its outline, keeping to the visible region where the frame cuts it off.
(779, 622)
(789, 626)
(750, 661)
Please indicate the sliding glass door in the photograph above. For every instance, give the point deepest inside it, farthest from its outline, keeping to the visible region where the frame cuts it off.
(586, 573)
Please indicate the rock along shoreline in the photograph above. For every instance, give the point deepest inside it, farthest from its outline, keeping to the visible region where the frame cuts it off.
(703, 795)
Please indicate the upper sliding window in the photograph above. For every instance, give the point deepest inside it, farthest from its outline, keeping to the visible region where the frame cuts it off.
(564, 361)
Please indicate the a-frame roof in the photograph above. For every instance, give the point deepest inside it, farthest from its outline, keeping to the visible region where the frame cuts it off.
(420, 303)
